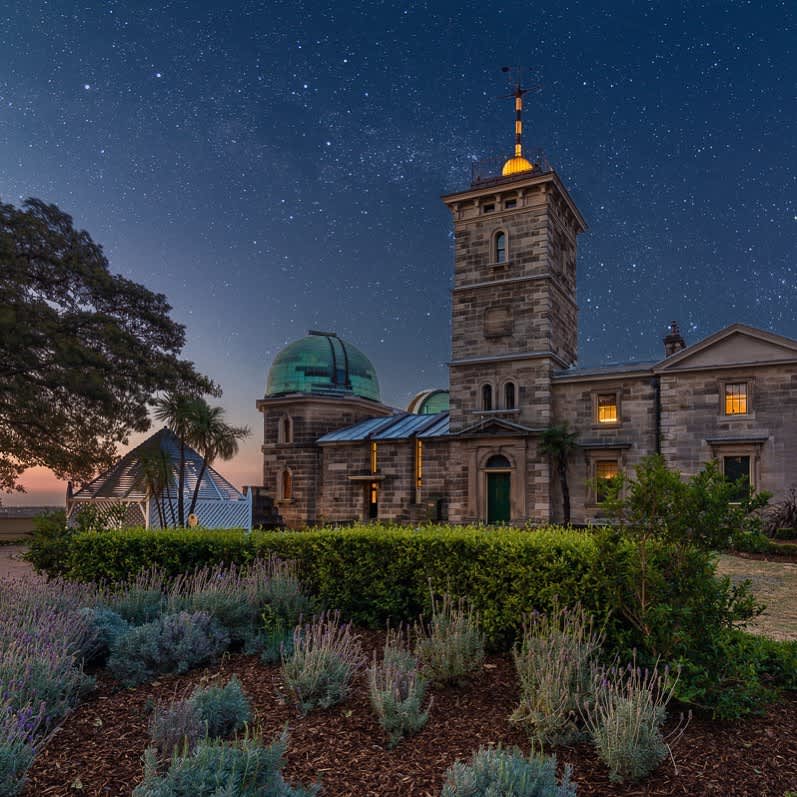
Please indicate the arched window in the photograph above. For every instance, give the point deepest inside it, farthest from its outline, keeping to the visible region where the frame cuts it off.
(509, 396)
(497, 461)
(286, 485)
(487, 397)
(500, 247)
(285, 429)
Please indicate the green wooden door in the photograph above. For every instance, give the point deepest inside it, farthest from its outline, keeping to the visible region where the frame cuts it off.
(498, 498)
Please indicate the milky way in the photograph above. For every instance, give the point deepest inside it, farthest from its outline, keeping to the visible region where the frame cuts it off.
(274, 167)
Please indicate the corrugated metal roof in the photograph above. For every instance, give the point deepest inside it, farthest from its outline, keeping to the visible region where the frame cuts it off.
(407, 426)
(125, 480)
(394, 427)
(438, 429)
(360, 431)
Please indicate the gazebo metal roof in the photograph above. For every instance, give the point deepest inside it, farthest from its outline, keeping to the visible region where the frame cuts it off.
(125, 480)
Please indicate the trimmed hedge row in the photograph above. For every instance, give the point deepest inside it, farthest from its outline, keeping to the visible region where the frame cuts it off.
(379, 573)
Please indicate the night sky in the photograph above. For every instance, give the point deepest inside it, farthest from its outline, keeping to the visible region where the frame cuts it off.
(274, 167)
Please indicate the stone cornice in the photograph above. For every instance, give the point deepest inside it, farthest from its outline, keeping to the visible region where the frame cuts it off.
(502, 358)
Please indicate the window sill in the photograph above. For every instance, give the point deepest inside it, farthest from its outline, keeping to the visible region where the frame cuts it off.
(612, 425)
(284, 501)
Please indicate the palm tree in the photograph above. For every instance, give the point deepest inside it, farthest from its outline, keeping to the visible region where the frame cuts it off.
(177, 410)
(156, 475)
(557, 444)
(212, 438)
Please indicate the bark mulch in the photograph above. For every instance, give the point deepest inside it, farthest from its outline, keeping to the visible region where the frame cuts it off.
(98, 750)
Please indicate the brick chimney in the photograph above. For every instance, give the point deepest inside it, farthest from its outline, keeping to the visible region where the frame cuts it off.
(673, 342)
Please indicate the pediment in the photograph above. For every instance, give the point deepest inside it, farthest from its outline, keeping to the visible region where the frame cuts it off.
(733, 346)
(495, 427)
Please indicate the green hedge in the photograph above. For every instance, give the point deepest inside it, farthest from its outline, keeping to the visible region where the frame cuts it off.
(378, 573)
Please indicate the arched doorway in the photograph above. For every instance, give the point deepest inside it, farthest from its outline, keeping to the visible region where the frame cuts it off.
(498, 481)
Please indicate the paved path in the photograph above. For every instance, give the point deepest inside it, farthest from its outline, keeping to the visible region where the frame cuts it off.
(11, 562)
(774, 584)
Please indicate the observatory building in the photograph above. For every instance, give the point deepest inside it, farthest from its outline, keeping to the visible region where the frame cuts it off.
(333, 452)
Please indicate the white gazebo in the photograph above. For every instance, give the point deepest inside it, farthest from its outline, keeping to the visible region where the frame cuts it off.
(219, 505)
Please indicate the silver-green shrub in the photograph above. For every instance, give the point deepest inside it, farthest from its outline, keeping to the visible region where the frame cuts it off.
(218, 769)
(223, 710)
(553, 661)
(397, 690)
(176, 726)
(211, 712)
(326, 654)
(625, 716)
(175, 643)
(494, 772)
(450, 646)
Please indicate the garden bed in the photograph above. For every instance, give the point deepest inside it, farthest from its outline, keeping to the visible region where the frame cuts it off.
(98, 749)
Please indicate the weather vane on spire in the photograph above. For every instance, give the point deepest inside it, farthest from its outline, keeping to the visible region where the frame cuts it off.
(517, 163)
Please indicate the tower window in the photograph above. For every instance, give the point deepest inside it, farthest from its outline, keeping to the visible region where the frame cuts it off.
(509, 395)
(510, 203)
(374, 458)
(487, 397)
(736, 398)
(286, 485)
(285, 430)
(500, 247)
(488, 208)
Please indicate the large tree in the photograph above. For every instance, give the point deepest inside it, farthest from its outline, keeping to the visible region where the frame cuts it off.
(82, 351)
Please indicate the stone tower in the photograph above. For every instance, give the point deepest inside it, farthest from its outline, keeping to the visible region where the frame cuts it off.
(514, 314)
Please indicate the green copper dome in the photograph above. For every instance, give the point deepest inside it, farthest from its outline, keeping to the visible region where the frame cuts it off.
(429, 402)
(323, 364)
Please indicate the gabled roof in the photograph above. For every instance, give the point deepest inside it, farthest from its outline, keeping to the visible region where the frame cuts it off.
(489, 425)
(733, 346)
(125, 480)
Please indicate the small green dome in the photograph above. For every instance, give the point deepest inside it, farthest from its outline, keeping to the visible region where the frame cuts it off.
(429, 402)
(322, 363)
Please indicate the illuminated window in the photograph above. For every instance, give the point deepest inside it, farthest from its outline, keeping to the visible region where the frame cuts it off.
(418, 464)
(374, 459)
(285, 430)
(509, 395)
(736, 398)
(286, 485)
(607, 407)
(500, 247)
(605, 471)
(487, 397)
(488, 208)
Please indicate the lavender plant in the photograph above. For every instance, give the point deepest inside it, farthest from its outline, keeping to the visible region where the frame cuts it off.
(215, 769)
(625, 717)
(43, 639)
(495, 771)
(18, 730)
(176, 726)
(141, 600)
(451, 645)
(325, 657)
(396, 689)
(238, 596)
(210, 712)
(173, 644)
(223, 710)
(553, 662)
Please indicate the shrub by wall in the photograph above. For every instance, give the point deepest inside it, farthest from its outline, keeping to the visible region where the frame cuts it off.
(378, 573)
